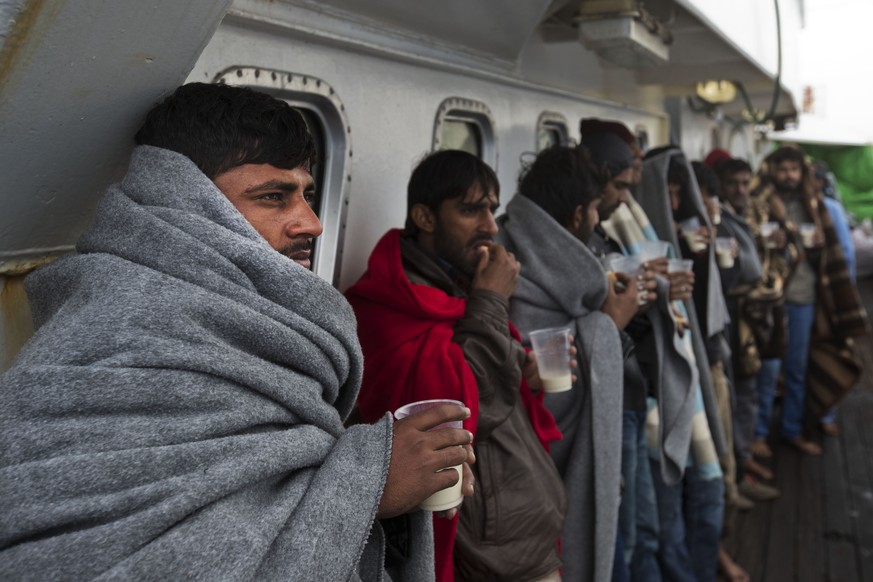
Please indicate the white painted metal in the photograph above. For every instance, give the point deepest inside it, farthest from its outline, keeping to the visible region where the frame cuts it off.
(391, 102)
(77, 77)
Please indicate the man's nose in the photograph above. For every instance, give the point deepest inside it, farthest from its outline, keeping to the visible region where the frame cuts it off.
(303, 221)
(489, 224)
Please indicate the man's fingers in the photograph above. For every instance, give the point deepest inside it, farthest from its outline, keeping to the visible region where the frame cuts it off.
(450, 439)
(623, 278)
(471, 455)
(467, 489)
(484, 258)
(658, 265)
(447, 514)
(447, 477)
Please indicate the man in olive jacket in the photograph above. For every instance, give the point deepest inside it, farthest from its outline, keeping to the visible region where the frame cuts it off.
(433, 321)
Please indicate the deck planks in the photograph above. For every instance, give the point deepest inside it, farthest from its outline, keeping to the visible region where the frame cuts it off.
(821, 528)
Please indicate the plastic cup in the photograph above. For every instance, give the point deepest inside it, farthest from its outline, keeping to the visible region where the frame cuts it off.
(768, 228)
(689, 228)
(630, 266)
(715, 217)
(724, 251)
(677, 265)
(450, 497)
(652, 249)
(714, 210)
(552, 348)
(807, 234)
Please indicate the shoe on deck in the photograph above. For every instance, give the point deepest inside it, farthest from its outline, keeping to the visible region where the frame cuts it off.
(805, 446)
(830, 429)
(760, 448)
(759, 470)
(741, 502)
(758, 491)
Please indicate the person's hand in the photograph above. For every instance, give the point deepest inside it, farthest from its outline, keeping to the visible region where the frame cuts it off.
(621, 302)
(649, 284)
(531, 369)
(778, 239)
(418, 456)
(497, 271)
(704, 237)
(818, 238)
(658, 266)
(681, 285)
(466, 487)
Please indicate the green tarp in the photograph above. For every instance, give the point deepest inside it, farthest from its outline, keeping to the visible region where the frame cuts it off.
(853, 168)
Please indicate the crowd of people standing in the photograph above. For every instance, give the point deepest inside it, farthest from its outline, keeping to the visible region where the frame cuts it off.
(196, 403)
(664, 432)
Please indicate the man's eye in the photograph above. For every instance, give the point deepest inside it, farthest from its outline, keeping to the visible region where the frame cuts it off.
(275, 196)
(309, 197)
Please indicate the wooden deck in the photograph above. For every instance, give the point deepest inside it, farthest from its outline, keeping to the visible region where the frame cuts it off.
(821, 528)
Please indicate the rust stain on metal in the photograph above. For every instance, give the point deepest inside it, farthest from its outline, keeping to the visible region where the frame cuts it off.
(16, 325)
(17, 46)
(21, 267)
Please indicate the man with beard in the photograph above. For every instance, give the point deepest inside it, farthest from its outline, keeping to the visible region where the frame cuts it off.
(611, 154)
(562, 284)
(434, 323)
(744, 295)
(819, 285)
(179, 412)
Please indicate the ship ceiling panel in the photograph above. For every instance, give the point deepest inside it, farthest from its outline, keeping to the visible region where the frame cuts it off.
(488, 27)
(75, 82)
(700, 54)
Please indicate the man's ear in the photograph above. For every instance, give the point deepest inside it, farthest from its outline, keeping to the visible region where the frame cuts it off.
(423, 217)
(578, 218)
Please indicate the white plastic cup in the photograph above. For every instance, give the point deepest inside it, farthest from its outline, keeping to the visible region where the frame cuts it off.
(724, 251)
(807, 234)
(714, 210)
(652, 249)
(630, 266)
(679, 265)
(450, 497)
(689, 228)
(552, 348)
(768, 228)
(716, 216)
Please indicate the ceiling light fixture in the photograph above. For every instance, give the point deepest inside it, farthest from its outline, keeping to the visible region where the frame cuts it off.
(717, 91)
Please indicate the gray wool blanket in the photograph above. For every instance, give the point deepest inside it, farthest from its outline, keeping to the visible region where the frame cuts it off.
(655, 201)
(179, 412)
(562, 284)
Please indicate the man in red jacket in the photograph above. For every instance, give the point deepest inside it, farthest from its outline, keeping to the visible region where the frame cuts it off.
(433, 321)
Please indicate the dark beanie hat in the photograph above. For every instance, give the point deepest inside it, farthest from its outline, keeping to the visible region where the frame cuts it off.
(608, 150)
(594, 125)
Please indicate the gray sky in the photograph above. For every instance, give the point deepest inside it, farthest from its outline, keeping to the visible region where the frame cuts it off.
(836, 52)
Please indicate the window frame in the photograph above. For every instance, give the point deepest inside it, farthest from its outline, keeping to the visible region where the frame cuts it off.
(319, 100)
(552, 121)
(468, 111)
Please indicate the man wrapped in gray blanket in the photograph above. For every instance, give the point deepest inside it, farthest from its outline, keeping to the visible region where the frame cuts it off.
(180, 411)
